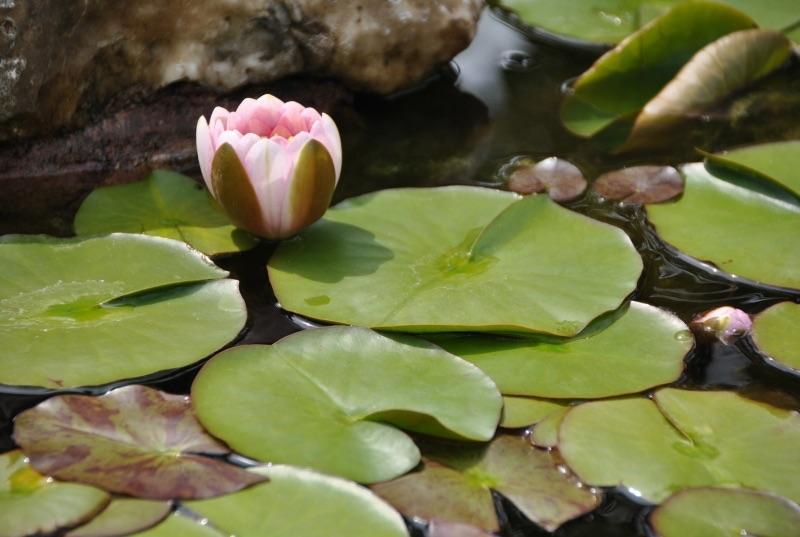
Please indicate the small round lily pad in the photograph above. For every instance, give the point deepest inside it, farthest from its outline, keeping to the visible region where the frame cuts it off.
(32, 504)
(524, 411)
(776, 332)
(559, 178)
(165, 204)
(725, 512)
(330, 398)
(640, 184)
(88, 312)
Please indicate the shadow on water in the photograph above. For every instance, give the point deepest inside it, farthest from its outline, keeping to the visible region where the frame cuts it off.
(500, 100)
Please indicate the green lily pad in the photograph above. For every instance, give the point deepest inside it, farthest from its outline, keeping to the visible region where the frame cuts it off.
(134, 440)
(32, 504)
(545, 433)
(298, 502)
(640, 347)
(179, 524)
(165, 204)
(725, 512)
(775, 332)
(458, 491)
(524, 411)
(683, 439)
(124, 516)
(626, 78)
(455, 259)
(740, 230)
(778, 162)
(328, 398)
(610, 21)
(86, 312)
(718, 70)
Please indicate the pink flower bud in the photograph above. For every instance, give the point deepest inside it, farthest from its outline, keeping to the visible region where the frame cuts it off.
(725, 324)
(272, 166)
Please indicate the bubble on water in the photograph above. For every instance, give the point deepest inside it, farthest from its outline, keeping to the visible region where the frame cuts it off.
(517, 60)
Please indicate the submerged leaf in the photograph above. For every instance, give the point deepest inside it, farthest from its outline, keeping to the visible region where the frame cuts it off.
(87, 312)
(623, 80)
(133, 440)
(328, 398)
(165, 204)
(640, 184)
(31, 504)
(639, 347)
(717, 71)
(124, 516)
(683, 439)
(467, 259)
(561, 179)
(301, 503)
(459, 492)
(724, 512)
(741, 230)
(775, 332)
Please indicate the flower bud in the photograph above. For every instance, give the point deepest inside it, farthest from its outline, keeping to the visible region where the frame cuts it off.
(725, 324)
(272, 166)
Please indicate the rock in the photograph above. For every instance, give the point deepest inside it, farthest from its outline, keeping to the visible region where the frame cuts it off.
(62, 58)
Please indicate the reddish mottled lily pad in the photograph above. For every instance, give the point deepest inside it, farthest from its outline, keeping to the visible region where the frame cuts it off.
(30, 503)
(134, 440)
(561, 179)
(640, 184)
(455, 483)
(449, 529)
(124, 516)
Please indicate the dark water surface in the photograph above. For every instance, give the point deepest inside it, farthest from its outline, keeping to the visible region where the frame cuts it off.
(499, 100)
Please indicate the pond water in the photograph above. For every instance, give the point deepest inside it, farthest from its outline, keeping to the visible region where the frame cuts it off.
(497, 101)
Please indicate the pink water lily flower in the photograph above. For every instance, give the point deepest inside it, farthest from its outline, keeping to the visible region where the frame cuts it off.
(272, 166)
(726, 324)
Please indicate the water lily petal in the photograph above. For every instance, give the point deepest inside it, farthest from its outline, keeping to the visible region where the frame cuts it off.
(205, 151)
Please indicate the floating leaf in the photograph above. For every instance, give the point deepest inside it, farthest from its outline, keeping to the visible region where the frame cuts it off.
(622, 82)
(523, 411)
(460, 493)
(124, 516)
(447, 529)
(609, 21)
(638, 348)
(724, 512)
(298, 502)
(327, 399)
(84, 312)
(683, 439)
(738, 229)
(545, 433)
(180, 525)
(561, 179)
(775, 332)
(640, 184)
(718, 70)
(133, 440)
(455, 259)
(778, 162)
(165, 204)
(31, 504)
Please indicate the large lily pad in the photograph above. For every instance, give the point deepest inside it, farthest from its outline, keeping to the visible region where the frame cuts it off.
(298, 502)
(455, 259)
(165, 204)
(718, 70)
(776, 331)
(683, 439)
(327, 398)
(610, 21)
(459, 490)
(725, 512)
(84, 312)
(124, 516)
(179, 524)
(640, 347)
(134, 440)
(778, 162)
(622, 82)
(32, 504)
(524, 411)
(740, 230)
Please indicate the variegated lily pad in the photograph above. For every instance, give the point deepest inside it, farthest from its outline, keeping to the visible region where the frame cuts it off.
(134, 440)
